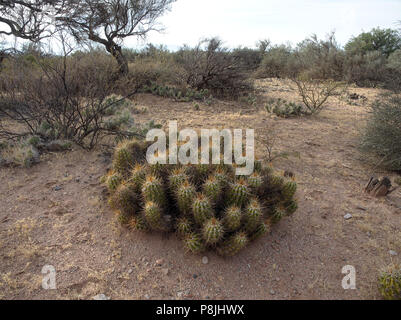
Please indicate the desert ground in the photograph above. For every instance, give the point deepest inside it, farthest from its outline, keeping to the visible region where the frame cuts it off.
(56, 213)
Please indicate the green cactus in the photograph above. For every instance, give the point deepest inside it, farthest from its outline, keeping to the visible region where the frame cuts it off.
(127, 154)
(261, 230)
(276, 182)
(278, 214)
(123, 159)
(184, 226)
(255, 181)
(232, 218)
(138, 223)
(221, 175)
(239, 192)
(138, 175)
(125, 199)
(193, 243)
(154, 216)
(252, 215)
(177, 178)
(390, 283)
(212, 189)
(185, 196)
(212, 231)
(202, 209)
(123, 217)
(234, 244)
(289, 189)
(152, 190)
(291, 207)
(113, 181)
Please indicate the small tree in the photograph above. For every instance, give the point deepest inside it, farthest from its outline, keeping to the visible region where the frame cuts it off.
(109, 22)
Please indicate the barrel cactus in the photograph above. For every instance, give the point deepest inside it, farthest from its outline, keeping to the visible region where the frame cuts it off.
(208, 206)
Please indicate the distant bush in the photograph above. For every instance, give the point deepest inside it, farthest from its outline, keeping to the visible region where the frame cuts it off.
(249, 59)
(386, 41)
(211, 66)
(278, 62)
(320, 59)
(382, 136)
(163, 70)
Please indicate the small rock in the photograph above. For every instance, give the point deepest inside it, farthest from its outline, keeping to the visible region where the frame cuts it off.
(272, 292)
(393, 253)
(180, 294)
(361, 208)
(205, 260)
(130, 271)
(348, 216)
(195, 276)
(57, 188)
(101, 297)
(159, 262)
(147, 297)
(165, 271)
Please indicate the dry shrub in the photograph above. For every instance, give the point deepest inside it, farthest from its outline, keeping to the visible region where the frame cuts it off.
(149, 70)
(314, 93)
(63, 98)
(382, 136)
(211, 66)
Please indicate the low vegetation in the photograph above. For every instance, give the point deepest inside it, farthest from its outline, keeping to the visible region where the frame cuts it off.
(206, 205)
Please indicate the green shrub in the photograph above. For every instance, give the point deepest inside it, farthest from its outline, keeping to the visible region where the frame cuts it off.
(382, 135)
(207, 205)
(390, 283)
(284, 109)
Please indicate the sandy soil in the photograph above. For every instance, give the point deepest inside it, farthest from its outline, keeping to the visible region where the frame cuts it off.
(56, 213)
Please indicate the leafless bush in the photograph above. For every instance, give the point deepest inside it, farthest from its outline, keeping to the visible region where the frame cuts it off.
(211, 66)
(314, 93)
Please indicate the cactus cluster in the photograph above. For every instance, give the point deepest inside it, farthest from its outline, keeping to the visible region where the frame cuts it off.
(208, 206)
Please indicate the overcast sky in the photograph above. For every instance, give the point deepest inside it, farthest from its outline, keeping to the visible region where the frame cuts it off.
(244, 22)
